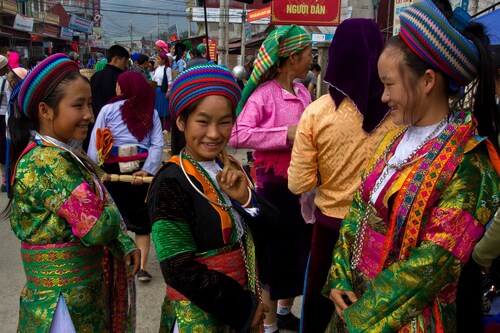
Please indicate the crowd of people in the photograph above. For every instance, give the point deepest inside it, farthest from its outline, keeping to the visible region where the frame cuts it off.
(372, 202)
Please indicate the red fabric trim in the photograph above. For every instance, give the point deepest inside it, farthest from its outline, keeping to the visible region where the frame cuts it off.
(230, 264)
(117, 159)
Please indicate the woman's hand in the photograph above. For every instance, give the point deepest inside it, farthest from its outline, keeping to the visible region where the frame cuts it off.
(290, 135)
(337, 296)
(133, 258)
(233, 182)
(258, 318)
(138, 177)
(167, 94)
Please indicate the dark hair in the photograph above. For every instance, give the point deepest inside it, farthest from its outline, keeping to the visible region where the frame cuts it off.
(495, 57)
(179, 51)
(117, 51)
(445, 7)
(484, 103)
(315, 67)
(142, 58)
(195, 53)
(178, 141)
(33, 61)
(20, 125)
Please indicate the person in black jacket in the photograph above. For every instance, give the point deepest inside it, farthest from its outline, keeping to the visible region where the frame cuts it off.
(103, 83)
(206, 215)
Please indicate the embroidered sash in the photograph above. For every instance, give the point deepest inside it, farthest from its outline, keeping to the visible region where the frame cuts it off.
(231, 264)
(63, 265)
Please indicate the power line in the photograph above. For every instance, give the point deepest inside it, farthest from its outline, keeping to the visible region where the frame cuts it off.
(142, 7)
(91, 8)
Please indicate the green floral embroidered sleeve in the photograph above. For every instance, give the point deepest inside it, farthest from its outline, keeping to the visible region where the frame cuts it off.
(340, 276)
(401, 291)
(54, 199)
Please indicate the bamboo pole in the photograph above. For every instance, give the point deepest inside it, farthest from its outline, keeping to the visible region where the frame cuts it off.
(125, 178)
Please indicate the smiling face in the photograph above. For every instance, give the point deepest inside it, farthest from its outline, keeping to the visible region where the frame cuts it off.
(72, 115)
(208, 128)
(405, 91)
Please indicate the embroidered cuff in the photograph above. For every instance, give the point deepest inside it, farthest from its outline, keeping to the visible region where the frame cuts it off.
(82, 209)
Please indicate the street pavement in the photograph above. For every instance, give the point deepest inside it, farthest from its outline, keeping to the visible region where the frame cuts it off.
(12, 279)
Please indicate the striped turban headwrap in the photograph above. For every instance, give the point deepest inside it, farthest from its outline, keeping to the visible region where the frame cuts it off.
(427, 32)
(42, 80)
(280, 43)
(200, 81)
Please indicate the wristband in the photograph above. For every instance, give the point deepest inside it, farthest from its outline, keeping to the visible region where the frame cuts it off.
(249, 201)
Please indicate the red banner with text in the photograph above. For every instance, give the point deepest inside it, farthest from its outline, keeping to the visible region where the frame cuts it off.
(212, 48)
(306, 12)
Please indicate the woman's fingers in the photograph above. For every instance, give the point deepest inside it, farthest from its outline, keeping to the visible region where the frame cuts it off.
(336, 297)
(137, 177)
(228, 177)
(225, 158)
(352, 296)
(133, 259)
(339, 299)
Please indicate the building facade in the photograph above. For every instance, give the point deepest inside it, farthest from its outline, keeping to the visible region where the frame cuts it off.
(35, 28)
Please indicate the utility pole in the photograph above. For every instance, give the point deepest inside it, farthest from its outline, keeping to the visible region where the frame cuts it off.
(243, 35)
(223, 32)
(206, 32)
(226, 33)
(168, 26)
(220, 47)
(131, 38)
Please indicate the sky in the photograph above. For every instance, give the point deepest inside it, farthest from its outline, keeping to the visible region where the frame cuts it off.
(118, 14)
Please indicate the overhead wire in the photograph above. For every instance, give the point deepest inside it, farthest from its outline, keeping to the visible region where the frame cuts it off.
(110, 24)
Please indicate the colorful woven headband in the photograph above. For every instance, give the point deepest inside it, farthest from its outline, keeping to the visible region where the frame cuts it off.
(427, 32)
(280, 43)
(200, 81)
(42, 80)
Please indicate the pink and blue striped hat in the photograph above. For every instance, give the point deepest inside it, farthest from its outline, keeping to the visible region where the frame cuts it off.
(200, 81)
(42, 80)
(427, 32)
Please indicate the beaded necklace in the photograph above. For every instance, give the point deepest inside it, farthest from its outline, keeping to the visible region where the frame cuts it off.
(252, 277)
(219, 202)
(362, 224)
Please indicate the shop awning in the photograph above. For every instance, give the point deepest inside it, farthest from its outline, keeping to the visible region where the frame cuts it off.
(253, 43)
(5, 29)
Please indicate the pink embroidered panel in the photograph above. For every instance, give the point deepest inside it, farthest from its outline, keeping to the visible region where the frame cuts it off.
(371, 253)
(82, 209)
(455, 230)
